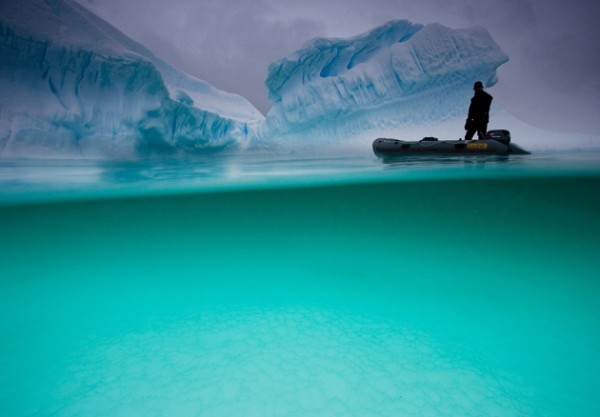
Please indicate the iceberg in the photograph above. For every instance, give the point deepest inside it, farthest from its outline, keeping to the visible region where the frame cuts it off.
(395, 77)
(75, 86)
(402, 80)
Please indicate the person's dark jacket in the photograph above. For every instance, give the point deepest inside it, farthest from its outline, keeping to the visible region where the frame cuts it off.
(479, 110)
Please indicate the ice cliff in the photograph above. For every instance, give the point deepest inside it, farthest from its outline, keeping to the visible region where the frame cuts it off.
(73, 85)
(396, 76)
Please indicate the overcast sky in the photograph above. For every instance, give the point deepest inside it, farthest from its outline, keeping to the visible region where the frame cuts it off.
(552, 79)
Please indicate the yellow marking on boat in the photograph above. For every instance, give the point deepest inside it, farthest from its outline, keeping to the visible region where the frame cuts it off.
(477, 146)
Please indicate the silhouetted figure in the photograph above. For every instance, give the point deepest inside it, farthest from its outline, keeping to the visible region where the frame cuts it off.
(479, 113)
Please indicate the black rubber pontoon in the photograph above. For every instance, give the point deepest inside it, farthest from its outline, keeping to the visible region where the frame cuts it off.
(497, 142)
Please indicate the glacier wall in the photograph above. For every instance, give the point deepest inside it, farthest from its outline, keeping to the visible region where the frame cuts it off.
(396, 76)
(85, 90)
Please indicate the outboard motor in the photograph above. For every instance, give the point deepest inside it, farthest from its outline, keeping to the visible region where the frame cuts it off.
(499, 135)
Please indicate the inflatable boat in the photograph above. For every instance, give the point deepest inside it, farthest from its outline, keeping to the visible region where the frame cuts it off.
(497, 142)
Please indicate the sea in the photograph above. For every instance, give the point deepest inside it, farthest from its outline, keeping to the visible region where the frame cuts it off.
(291, 286)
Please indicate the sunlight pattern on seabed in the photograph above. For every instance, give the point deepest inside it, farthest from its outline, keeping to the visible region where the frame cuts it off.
(408, 290)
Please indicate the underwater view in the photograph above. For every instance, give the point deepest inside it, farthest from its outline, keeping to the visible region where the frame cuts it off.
(248, 286)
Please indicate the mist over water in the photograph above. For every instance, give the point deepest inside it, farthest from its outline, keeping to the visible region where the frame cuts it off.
(292, 287)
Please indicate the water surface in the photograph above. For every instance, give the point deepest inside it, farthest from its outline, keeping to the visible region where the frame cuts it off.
(294, 287)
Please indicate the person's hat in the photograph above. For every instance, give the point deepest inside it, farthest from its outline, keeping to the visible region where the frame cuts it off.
(478, 84)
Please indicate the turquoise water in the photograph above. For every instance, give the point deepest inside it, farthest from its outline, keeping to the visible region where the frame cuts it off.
(295, 287)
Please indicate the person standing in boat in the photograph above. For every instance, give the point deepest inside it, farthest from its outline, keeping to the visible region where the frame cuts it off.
(479, 113)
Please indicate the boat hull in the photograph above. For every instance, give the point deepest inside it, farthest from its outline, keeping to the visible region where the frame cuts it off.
(386, 147)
